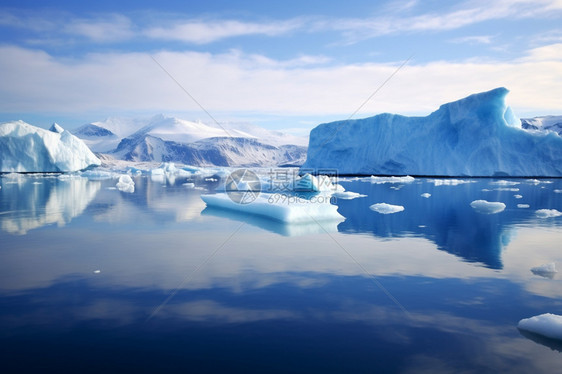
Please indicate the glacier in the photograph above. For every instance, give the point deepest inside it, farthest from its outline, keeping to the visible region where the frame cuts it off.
(26, 148)
(478, 136)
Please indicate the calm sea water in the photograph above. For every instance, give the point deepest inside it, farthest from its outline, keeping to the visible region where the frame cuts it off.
(96, 280)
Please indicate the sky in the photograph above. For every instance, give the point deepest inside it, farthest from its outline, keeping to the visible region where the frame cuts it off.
(281, 65)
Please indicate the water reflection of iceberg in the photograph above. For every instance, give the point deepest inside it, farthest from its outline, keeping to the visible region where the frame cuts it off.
(285, 229)
(33, 202)
(446, 218)
(555, 345)
(150, 202)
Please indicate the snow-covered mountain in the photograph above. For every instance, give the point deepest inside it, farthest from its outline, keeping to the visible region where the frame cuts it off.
(543, 123)
(219, 151)
(162, 138)
(475, 136)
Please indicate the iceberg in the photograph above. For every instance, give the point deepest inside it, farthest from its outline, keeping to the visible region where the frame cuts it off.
(475, 136)
(384, 180)
(98, 174)
(308, 202)
(168, 172)
(384, 208)
(548, 325)
(487, 207)
(25, 148)
(449, 182)
(505, 183)
(348, 195)
(286, 209)
(125, 184)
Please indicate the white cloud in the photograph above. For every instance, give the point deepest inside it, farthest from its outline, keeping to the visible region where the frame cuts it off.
(552, 52)
(474, 39)
(468, 13)
(110, 28)
(32, 22)
(36, 82)
(202, 32)
(54, 27)
(398, 18)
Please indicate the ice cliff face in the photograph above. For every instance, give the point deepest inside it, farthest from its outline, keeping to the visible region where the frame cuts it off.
(26, 148)
(475, 136)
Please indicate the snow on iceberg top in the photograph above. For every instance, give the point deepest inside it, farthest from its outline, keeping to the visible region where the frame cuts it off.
(26, 148)
(475, 136)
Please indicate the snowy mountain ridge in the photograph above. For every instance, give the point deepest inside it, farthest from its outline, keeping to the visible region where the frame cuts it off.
(162, 138)
(543, 123)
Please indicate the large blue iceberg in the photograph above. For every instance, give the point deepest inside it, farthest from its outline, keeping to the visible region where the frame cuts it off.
(475, 136)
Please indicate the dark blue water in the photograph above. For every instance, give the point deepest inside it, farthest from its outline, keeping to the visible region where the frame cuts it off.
(96, 280)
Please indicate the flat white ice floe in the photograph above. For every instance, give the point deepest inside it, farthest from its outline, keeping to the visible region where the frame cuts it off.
(283, 208)
(548, 213)
(548, 325)
(384, 208)
(536, 181)
(347, 195)
(449, 182)
(98, 174)
(168, 171)
(382, 180)
(309, 202)
(545, 270)
(487, 207)
(26, 148)
(504, 183)
(125, 184)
